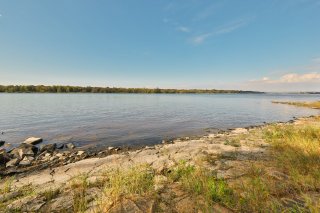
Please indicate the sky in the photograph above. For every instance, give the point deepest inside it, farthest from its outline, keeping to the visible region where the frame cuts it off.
(269, 45)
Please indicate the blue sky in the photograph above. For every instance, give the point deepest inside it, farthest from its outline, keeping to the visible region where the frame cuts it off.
(269, 45)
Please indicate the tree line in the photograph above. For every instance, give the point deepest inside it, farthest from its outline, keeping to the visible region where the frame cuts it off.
(88, 89)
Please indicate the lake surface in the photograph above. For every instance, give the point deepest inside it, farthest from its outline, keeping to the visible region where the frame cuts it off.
(136, 119)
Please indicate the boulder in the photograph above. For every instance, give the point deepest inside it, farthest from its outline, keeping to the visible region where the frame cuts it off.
(70, 146)
(2, 143)
(33, 141)
(24, 150)
(60, 146)
(26, 161)
(79, 153)
(12, 162)
(48, 148)
(4, 158)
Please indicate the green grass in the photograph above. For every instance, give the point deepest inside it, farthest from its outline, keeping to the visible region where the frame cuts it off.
(50, 194)
(199, 182)
(7, 185)
(233, 142)
(297, 153)
(137, 180)
(78, 186)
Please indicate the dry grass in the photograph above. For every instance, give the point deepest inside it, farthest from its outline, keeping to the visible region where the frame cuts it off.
(314, 105)
(78, 186)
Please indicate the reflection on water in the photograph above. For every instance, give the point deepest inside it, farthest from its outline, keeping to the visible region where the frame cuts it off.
(131, 119)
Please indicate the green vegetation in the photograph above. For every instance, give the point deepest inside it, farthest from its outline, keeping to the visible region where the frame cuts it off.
(314, 105)
(135, 181)
(78, 89)
(78, 186)
(202, 185)
(297, 152)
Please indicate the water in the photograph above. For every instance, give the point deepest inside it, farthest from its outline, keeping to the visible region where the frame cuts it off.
(136, 119)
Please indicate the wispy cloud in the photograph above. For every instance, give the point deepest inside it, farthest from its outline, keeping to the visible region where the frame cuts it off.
(184, 29)
(291, 78)
(219, 31)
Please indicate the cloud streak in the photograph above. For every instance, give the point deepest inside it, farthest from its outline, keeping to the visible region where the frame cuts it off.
(291, 78)
(199, 39)
(183, 29)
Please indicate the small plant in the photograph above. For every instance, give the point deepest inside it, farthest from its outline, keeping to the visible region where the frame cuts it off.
(7, 185)
(50, 194)
(199, 182)
(135, 181)
(232, 142)
(79, 186)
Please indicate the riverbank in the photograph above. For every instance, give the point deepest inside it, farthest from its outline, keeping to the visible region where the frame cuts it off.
(272, 167)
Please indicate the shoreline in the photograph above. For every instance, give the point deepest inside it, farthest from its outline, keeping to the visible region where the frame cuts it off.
(72, 155)
(104, 151)
(228, 155)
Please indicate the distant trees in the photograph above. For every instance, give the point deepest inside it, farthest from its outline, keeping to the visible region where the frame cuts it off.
(78, 89)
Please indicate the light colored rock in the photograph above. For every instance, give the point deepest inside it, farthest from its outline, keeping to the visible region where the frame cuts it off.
(12, 162)
(79, 153)
(110, 148)
(70, 146)
(33, 140)
(26, 161)
(239, 131)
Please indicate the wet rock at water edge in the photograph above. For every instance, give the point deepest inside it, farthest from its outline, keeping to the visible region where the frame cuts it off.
(33, 141)
(70, 146)
(2, 143)
(48, 147)
(24, 150)
(60, 145)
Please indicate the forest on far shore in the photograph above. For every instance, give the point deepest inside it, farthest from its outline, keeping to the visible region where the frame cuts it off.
(88, 89)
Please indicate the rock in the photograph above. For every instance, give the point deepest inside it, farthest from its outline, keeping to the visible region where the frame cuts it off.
(4, 158)
(26, 161)
(70, 146)
(79, 153)
(60, 146)
(48, 147)
(110, 148)
(9, 196)
(26, 204)
(2, 143)
(59, 155)
(62, 203)
(239, 131)
(12, 162)
(33, 141)
(24, 150)
(53, 158)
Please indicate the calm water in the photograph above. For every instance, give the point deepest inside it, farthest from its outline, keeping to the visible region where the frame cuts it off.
(135, 119)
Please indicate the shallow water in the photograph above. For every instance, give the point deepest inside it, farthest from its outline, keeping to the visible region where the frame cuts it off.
(136, 119)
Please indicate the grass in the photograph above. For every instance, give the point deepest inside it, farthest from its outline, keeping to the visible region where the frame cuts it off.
(50, 194)
(315, 104)
(297, 153)
(7, 185)
(233, 142)
(199, 182)
(137, 180)
(78, 186)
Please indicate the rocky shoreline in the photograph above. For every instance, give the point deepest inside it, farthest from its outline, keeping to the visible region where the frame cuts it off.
(31, 155)
(227, 154)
